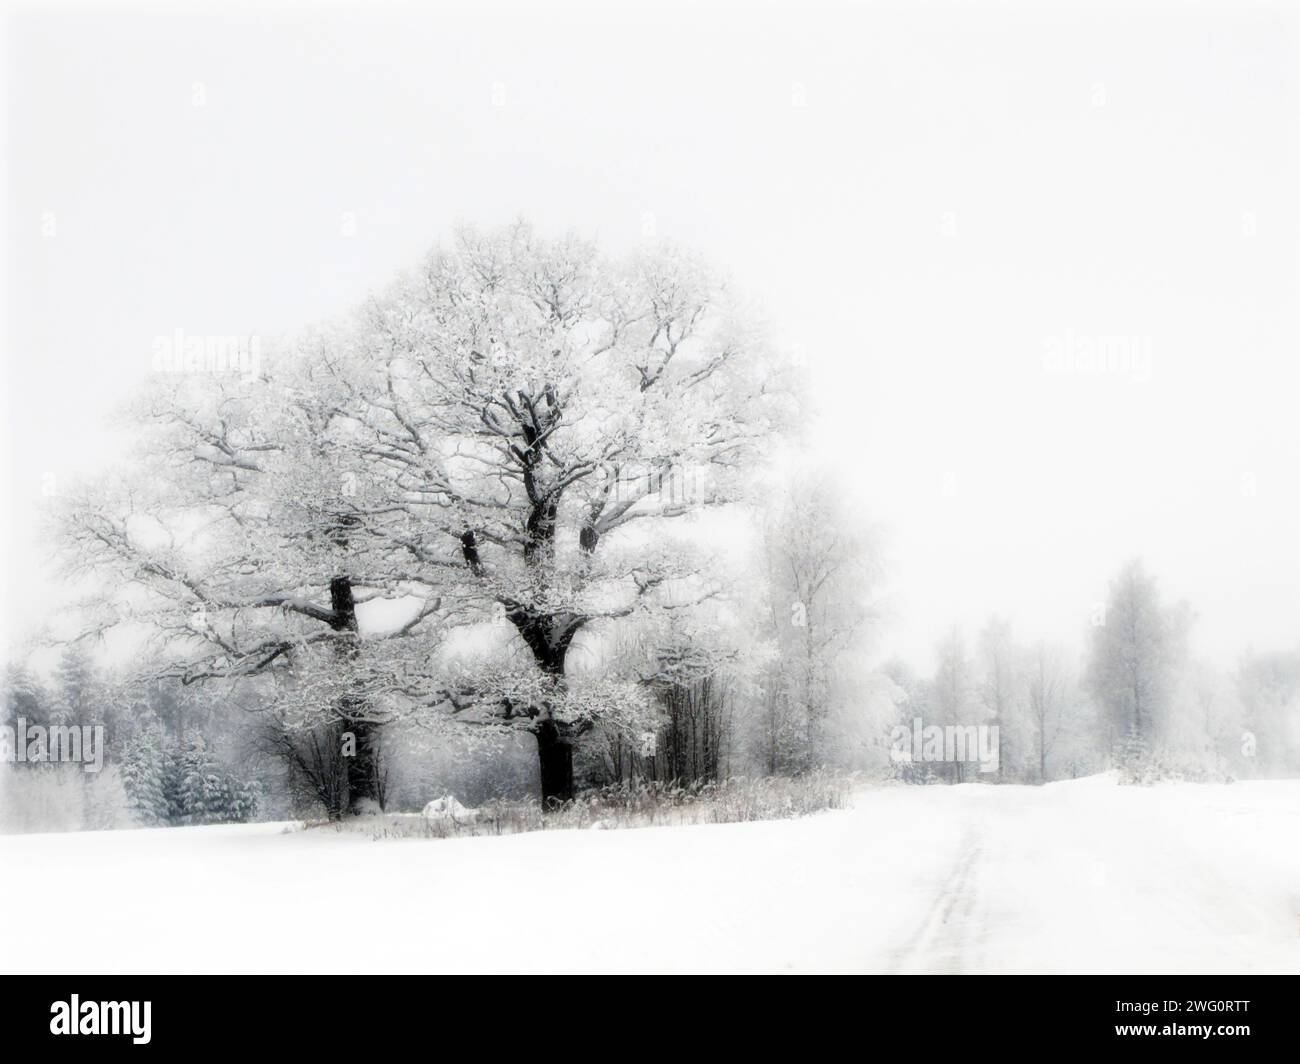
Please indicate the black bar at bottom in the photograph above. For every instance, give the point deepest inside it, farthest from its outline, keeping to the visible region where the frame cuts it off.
(341, 1013)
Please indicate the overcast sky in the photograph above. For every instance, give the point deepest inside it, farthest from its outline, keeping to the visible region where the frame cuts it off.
(943, 206)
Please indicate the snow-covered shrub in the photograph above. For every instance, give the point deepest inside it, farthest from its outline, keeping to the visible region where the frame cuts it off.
(446, 806)
(915, 772)
(1133, 759)
(444, 816)
(1141, 766)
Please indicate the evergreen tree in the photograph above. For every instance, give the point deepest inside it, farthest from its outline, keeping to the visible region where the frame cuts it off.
(144, 777)
(1135, 654)
(77, 683)
(24, 697)
(1134, 757)
(209, 793)
(189, 786)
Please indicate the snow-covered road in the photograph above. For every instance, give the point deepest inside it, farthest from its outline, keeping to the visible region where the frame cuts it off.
(1074, 877)
(1091, 877)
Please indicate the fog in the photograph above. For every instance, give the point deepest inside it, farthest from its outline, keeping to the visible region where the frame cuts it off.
(1041, 271)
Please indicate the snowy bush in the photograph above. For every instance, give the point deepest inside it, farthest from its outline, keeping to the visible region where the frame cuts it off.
(1140, 766)
(447, 807)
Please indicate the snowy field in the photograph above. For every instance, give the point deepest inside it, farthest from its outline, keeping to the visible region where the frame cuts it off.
(1084, 876)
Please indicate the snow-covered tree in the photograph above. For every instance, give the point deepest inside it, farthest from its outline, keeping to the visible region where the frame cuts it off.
(210, 793)
(953, 696)
(145, 772)
(230, 543)
(1049, 697)
(502, 435)
(822, 573)
(25, 697)
(1001, 686)
(168, 785)
(1135, 654)
(541, 414)
(1268, 686)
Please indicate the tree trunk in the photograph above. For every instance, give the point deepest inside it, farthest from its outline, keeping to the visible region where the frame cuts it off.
(365, 767)
(548, 636)
(555, 758)
(365, 779)
(1001, 776)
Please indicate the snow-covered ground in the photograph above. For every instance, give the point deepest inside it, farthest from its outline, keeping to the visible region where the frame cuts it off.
(1084, 876)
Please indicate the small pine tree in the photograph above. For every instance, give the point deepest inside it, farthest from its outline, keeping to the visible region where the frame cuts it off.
(1134, 758)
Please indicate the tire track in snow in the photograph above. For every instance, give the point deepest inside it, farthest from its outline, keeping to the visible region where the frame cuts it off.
(943, 941)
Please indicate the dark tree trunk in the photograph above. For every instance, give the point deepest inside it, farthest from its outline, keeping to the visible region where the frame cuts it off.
(555, 758)
(365, 768)
(548, 636)
(365, 776)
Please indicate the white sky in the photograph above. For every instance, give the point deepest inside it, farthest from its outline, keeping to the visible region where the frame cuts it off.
(923, 196)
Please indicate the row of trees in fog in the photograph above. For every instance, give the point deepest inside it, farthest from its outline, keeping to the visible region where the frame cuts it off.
(779, 689)
(1137, 697)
